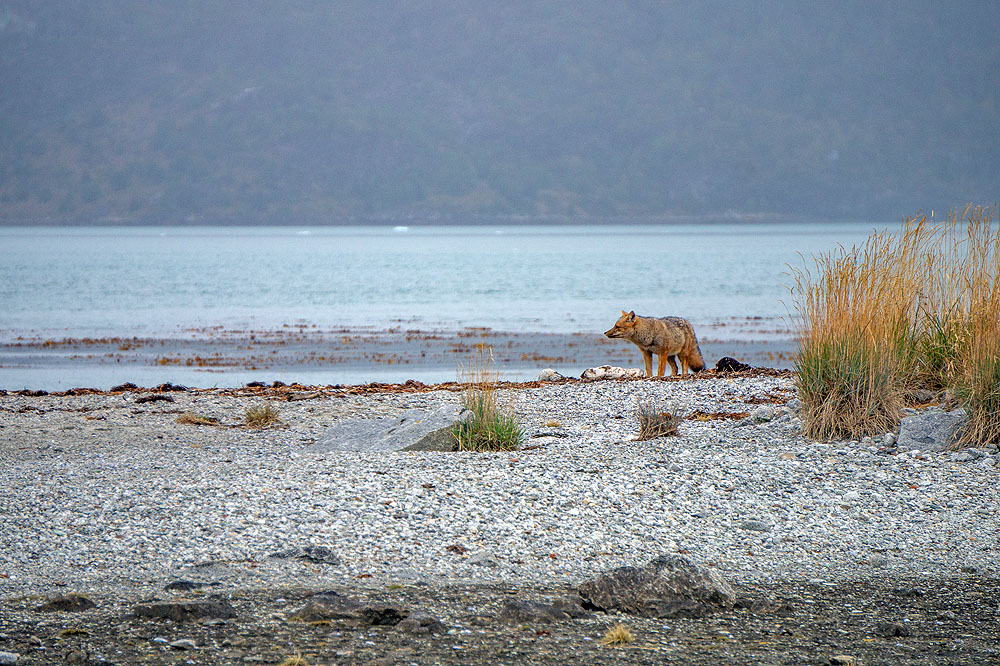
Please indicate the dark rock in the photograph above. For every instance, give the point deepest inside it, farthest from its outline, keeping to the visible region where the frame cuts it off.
(256, 385)
(168, 387)
(518, 611)
(421, 623)
(329, 606)
(70, 603)
(931, 430)
(668, 586)
(187, 586)
(891, 630)
(31, 394)
(318, 554)
(572, 606)
(730, 364)
(127, 386)
(335, 606)
(185, 610)
(383, 616)
(81, 391)
(156, 397)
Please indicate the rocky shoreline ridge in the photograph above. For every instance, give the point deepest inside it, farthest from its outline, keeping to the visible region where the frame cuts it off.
(113, 496)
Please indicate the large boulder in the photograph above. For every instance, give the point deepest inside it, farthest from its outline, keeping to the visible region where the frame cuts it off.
(931, 430)
(415, 430)
(669, 586)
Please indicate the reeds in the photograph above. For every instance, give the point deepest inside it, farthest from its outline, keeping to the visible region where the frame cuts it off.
(915, 309)
(493, 425)
(657, 420)
(261, 416)
(617, 635)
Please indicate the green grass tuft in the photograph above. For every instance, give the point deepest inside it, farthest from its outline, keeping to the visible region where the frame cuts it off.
(493, 426)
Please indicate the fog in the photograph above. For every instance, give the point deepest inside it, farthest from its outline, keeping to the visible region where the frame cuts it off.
(250, 112)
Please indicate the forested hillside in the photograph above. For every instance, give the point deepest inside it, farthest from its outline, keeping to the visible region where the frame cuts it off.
(304, 111)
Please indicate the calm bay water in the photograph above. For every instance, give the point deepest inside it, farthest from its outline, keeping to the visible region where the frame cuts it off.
(170, 282)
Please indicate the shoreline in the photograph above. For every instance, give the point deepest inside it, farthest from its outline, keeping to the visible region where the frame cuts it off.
(347, 355)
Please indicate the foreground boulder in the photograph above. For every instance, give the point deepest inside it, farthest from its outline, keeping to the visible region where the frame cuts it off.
(931, 430)
(668, 586)
(415, 430)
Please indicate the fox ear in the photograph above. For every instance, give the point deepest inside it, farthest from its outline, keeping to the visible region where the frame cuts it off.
(631, 314)
(624, 314)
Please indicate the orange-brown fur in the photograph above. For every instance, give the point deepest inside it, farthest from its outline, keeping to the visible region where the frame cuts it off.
(669, 338)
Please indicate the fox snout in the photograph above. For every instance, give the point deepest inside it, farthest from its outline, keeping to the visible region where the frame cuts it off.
(613, 333)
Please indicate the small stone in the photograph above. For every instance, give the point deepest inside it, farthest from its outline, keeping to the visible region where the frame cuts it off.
(891, 630)
(843, 660)
(755, 526)
(7, 658)
(183, 644)
(549, 375)
(421, 623)
(787, 456)
(762, 414)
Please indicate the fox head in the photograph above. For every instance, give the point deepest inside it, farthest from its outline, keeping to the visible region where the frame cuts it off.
(623, 327)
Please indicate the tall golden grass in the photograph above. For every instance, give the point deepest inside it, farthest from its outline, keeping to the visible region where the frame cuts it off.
(919, 308)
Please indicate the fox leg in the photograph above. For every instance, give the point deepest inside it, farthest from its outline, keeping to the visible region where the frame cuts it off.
(661, 364)
(648, 358)
(673, 365)
(685, 366)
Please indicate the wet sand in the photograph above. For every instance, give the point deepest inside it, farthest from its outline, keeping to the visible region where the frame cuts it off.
(310, 355)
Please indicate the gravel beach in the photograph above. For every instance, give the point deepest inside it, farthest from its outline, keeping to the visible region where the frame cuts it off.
(108, 495)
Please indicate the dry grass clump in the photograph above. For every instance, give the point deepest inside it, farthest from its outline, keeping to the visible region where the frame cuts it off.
(657, 420)
(492, 426)
(190, 418)
(617, 635)
(261, 416)
(915, 309)
(297, 660)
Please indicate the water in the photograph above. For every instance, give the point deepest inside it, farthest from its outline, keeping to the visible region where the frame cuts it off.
(164, 282)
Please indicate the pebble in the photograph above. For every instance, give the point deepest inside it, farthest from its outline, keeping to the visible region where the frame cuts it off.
(129, 498)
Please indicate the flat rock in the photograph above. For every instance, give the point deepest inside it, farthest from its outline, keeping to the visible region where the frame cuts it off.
(318, 554)
(668, 586)
(335, 606)
(611, 372)
(185, 610)
(421, 623)
(71, 603)
(415, 430)
(930, 430)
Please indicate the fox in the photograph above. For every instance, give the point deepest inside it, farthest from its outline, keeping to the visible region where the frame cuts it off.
(667, 337)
